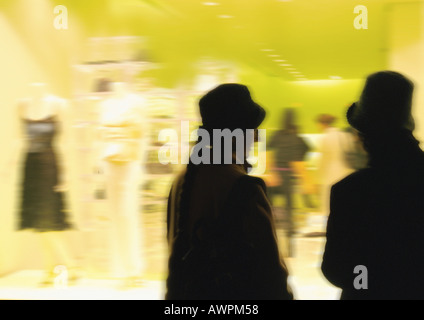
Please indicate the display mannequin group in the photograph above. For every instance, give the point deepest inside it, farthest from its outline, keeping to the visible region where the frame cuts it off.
(42, 203)
(121, 127)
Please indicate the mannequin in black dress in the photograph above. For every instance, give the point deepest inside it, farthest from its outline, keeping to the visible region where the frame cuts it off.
(42, 203)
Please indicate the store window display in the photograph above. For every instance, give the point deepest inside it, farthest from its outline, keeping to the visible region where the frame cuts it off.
(122, 134)
(43, 208)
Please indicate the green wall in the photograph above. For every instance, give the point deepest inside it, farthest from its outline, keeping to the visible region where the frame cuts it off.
(321, 96)
(310, 98)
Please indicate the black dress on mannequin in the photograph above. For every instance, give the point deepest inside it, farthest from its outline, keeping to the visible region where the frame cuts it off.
(42, 207)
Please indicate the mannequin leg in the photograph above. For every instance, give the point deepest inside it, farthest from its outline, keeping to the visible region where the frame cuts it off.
(56, 252)
(123, 204)
(58, 241)
(47, 252)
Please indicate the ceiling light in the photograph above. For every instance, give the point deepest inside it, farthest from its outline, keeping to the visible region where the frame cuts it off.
(279, 60)
(225, 16)
(274, 55)
(267, 50)
(210, 3)
(335, 77)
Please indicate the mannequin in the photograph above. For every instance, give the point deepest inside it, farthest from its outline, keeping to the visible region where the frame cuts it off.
(43, 207)
(121, 125)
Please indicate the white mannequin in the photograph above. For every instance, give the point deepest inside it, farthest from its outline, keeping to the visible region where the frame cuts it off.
(121, 120)
(41, 105)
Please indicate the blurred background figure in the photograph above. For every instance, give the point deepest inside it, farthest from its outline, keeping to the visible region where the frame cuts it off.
(332, 165)
(288, 151)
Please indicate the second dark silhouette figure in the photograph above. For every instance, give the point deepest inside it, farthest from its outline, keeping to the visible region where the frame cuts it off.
(375, 231)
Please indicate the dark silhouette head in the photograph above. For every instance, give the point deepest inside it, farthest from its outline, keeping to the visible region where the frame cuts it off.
(230, 106)
(384, 105)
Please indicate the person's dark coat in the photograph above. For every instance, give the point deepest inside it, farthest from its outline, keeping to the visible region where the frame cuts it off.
(376, 220)
(260, 272)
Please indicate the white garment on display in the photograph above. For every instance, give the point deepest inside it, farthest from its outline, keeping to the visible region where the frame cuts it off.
(121, 118)
(121, 125)
(123, 204)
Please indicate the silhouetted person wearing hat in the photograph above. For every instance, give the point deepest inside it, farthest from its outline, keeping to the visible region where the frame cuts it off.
(375, 230)
(221, 232)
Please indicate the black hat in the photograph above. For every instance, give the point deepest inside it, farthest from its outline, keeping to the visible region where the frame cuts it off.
(385, 104)
(230, 106)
